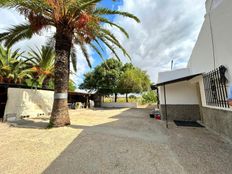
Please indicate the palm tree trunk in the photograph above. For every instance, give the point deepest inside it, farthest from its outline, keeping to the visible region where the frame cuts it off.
(60, 115)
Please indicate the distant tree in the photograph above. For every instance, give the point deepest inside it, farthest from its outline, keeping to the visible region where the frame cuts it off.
(104, 78)
(90, 82)
(133, 80)
(71, 86)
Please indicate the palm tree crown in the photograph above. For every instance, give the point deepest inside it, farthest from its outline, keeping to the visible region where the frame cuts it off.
(12, 68)
(78, 18)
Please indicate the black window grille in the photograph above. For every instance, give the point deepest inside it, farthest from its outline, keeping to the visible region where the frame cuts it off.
(215, 87)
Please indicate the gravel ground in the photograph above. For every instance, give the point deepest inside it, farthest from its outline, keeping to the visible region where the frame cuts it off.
(111, 141)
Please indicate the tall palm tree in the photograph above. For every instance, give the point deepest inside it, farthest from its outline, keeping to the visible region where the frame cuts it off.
(12, 68)
(76, 22)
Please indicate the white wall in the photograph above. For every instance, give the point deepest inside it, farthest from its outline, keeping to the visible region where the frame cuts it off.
(23, 102)
(119, 105)
(202, 55)
(183, 93)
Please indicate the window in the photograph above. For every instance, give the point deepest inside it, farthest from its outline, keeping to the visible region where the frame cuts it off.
(215, 87)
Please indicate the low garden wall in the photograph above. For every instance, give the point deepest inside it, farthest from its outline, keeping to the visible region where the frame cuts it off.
(218, 120)
(119, 105)
(28, 102)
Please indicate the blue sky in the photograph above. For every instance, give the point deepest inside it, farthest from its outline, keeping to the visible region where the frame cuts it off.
(168, 31)
(113, 6)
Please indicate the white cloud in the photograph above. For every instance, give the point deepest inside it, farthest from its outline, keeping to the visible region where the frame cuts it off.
(168, 30)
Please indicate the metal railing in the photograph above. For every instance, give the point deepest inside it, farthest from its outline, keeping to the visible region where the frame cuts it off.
(215, 87)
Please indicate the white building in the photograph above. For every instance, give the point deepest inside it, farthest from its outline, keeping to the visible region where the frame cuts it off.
(200, 91)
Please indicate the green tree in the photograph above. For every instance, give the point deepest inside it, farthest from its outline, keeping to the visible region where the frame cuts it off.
(133, 80)
(104, 78)
(12, 68)
(149, 97)
(76, 22)
(71, 86)
(90, 82)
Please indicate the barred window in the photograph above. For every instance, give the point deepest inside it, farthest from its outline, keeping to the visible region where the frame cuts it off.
(215, 87)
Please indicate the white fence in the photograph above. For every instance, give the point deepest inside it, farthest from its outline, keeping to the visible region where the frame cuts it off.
(119, 105)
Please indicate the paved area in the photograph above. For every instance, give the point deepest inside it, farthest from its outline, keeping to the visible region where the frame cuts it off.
(112, 141)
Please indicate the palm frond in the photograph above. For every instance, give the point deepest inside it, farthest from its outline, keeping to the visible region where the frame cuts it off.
(85, 53)
(106, 11)
(104, 20)
(110, 47)
(74, 59)
(16, 34)
(88, 3)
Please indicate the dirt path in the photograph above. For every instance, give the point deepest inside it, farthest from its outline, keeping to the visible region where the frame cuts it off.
(112, 141)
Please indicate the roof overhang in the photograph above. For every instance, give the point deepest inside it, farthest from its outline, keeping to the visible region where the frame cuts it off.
(189, 77)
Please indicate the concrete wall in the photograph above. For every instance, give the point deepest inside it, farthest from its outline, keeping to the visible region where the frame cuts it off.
(180, 93)
(202, 56)
(181, 112)
(218, 120)
(28, 102)
(119, 105)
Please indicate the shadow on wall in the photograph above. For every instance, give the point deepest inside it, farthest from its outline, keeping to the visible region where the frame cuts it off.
(41, 100)
(30, 102)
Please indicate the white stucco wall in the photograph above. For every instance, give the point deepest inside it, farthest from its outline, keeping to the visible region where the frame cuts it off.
(202, 55)
(183, 93)
(28, 102)
(119, 105)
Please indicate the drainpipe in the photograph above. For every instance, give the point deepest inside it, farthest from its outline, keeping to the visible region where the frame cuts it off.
(165, 106)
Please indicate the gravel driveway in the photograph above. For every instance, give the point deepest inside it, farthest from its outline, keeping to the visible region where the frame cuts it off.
(111, 141)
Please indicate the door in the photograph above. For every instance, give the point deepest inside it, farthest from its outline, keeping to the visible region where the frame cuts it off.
(3, 100)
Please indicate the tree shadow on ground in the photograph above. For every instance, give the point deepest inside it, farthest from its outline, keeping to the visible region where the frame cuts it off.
(108, 147)
(29, 124)
(133, 143)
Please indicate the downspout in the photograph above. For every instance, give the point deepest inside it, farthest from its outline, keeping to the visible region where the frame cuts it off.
(165, 106)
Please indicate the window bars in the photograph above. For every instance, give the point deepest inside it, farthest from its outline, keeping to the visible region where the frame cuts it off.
(215, 87)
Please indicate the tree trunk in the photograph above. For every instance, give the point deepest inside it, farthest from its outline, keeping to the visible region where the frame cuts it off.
(116, 97)
(127, 98)
(60, 115)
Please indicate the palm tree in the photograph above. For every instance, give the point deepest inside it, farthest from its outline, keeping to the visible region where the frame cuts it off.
(12, 68)
(76, 22)
(42, 65)
(42, 61)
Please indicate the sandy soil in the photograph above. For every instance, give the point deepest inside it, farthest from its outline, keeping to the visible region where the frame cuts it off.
(111, 141)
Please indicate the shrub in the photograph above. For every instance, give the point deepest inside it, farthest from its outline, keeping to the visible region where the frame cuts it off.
(149, 97)
(132, 97)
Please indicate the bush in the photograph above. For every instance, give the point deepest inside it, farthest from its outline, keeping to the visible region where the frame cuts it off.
(149, 97)
(132, 97)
